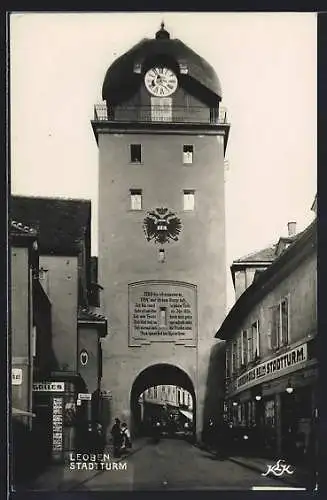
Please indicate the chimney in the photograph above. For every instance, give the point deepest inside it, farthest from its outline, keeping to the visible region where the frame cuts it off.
(291, 228)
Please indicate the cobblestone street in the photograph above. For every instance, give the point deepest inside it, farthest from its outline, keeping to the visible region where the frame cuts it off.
(170, 464)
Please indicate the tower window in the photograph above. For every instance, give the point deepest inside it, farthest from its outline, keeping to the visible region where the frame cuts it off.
(161, 256)
(163, 316)
(136, 153)
(136, 199)
(161, 109)
(189, 200)
(187, 154)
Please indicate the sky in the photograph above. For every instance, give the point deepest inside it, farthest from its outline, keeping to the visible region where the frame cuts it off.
(267, 66)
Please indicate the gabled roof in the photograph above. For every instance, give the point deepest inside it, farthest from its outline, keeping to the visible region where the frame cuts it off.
(284, 242)
(61, 223)
(264, 255)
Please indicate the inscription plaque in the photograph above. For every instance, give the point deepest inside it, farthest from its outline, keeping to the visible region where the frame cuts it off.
(162, 311)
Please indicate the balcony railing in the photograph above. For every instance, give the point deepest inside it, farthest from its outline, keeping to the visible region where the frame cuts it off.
(161, 114)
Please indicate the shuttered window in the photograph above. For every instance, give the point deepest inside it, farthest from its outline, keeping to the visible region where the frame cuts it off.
(280, 324)
(245, 347)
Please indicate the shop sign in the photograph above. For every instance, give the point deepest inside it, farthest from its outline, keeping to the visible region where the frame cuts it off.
(84, 396)
(16, 376)
(269, 369)
(57, 424)
(49, 386)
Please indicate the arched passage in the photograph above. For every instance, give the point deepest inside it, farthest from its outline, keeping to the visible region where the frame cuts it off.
(158, 375)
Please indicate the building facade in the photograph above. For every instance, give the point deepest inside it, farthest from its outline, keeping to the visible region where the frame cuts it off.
(169, 395)
(23, 265)
(162, 137)
(271, 359)
(67, 328)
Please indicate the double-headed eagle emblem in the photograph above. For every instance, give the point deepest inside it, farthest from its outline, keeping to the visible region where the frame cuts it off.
(161, 225)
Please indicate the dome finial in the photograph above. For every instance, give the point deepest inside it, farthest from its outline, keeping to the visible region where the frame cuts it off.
(162, 33)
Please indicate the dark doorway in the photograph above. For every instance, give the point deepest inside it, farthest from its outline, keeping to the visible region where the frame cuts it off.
(157, 377)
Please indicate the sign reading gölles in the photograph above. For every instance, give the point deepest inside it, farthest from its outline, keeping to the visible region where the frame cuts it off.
(162, 311)
(272, 368)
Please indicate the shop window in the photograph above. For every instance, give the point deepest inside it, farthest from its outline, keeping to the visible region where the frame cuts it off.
(136, 153)
(251, 414)
(187, 154)
(270, 413)
(239, 414)
(243, 414)
(136, 199)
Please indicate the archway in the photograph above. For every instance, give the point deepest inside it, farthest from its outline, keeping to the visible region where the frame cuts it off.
(162, 374)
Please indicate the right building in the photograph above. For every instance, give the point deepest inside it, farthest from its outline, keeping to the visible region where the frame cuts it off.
(271, 359)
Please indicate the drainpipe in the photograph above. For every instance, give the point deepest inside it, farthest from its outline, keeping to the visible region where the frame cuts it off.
(278, 423)
(30, 348)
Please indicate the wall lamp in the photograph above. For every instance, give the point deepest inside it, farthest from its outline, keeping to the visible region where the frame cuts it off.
(289, 389)
(235, 403)
(258, 397)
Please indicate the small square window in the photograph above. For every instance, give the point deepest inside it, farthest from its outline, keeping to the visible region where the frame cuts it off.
(136, 199)
(136, 153)
(189, 200)
(187, 154)
(163, 316)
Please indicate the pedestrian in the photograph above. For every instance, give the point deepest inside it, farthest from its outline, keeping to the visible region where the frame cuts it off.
(156, 430)
(101, 440)
(116, 434)
(126, 437)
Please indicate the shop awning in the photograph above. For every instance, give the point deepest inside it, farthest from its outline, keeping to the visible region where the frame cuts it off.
(187, 414)
(23, 413)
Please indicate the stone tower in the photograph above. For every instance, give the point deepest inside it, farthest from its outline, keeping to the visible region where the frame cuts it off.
(162, 137)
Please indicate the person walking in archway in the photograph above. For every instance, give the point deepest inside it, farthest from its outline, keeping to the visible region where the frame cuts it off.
(116, 434)
(126, 438)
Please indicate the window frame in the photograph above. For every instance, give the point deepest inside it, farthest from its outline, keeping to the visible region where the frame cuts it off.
(161, 109)
(165, 309)
(255, 348)
(184, 152)
(276, 334)
(244, 333)
(135, 162)
(135, 192)
(228, 362)
(187, 192)
(234, 356)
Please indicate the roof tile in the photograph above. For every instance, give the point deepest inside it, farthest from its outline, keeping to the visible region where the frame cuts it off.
(61, 222)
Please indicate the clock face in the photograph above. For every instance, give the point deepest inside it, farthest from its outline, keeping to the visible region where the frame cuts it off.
(161, 81)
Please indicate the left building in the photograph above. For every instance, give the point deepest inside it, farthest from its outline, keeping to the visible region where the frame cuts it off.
(60, 301)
